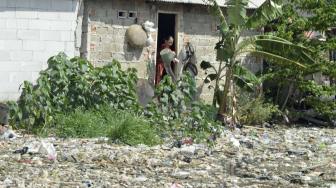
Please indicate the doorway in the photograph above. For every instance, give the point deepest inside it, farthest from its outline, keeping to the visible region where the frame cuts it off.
(166, 28)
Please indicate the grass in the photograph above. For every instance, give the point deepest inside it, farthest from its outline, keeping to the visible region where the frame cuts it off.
(120, 126)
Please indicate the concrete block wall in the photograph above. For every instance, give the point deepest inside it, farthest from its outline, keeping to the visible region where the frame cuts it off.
(200, 29)
(107, 33)
(31, 31)
(107, 41)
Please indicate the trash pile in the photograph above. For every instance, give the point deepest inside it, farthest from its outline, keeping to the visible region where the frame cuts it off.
(249, 157)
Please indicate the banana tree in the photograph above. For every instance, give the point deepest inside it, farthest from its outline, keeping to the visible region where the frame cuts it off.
(231, 47)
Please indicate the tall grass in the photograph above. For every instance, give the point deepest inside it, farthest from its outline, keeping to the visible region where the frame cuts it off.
(119, 125)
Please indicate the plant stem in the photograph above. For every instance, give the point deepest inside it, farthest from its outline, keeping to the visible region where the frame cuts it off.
(223, 106)
(290, 91)
(215, 97)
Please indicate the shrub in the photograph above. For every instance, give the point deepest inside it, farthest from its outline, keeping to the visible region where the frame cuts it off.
(256, 111)
(68, 84)
(177, 111)
(132, 130)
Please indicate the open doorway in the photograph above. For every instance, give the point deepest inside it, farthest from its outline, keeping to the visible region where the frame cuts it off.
(166, 28)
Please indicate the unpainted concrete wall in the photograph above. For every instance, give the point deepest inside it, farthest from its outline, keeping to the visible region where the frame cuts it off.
(106, 33)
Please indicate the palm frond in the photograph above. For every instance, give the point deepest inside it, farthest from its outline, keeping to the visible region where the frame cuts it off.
(217, 12)
(244, 78)
(268, 11)
(252, 41)
(274, 58)
(276, 46)
(237, 12)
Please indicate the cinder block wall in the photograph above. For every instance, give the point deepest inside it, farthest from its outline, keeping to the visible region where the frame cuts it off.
(30, 32)
(106, 33)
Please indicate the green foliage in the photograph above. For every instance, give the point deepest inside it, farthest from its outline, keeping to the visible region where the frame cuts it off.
(268, 11)
(229, 50)
(246, 79)
(178, 112)
(295, 27)
(255, 111)
(236, 10)
(68, 84)
(132, 130)
(80, 124)
(119, 125)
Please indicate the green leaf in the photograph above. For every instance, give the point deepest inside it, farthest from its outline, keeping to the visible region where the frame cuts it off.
(216, 11)
(244, 78)
(104, 88)
(276, 49)
(268, 11)
(237, 11)
(206, 65)
(210, 78)
(276, 58)
(224, 53)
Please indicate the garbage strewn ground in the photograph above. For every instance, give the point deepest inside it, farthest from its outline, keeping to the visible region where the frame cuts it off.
(251, 157)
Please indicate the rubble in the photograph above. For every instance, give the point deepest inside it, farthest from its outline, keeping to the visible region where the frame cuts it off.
(250, 157)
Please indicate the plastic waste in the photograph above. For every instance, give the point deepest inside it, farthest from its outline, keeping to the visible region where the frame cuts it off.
(288, 137)
(48, 149)
(234, 142)
(175, 185)
(265, 138)
(41, 147)
(6, 133)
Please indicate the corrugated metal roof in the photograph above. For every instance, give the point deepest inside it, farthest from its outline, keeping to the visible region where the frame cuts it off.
(252, 3)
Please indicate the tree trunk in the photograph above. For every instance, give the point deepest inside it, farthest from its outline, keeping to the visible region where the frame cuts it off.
(223, 106)
(216, 92)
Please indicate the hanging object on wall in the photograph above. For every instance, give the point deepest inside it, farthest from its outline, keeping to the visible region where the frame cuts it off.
(149, 28)
(136, 36)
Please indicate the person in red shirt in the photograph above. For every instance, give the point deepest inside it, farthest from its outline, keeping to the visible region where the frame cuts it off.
(160, 70)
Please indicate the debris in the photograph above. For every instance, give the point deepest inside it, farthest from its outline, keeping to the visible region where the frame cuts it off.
(188, 150)
(6, 133)
(49, 150)
(41, 147)
(175, 185)
(140, 179)
(263, 158)
(187, 159)
(181, 174)
(234, 142)
(22, 151)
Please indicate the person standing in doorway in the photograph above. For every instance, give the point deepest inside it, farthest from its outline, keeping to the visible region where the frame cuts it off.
(160, 70)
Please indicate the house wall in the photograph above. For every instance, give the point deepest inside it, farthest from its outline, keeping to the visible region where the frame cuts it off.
(106, 33)
(30, 32)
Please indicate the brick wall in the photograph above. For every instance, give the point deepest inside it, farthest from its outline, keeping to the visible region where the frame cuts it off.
(30, 32)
